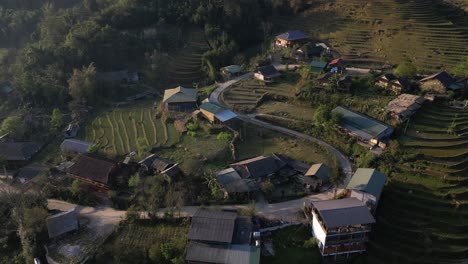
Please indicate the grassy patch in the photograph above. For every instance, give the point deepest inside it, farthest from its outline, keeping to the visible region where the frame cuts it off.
(288, 245)
(287, 109)
(131, 243)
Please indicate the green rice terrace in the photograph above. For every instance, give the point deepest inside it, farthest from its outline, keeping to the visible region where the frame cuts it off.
(245, 96)
(122, 130)
(386, 31)
(422, 218)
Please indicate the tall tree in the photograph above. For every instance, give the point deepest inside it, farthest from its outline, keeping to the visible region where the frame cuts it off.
(405, 69)
(56, 121)
(14, 126)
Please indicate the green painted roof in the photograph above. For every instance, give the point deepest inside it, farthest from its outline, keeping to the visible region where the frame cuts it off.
(318, 66)
(212, 108)
(367, 127)
(180, 95)
(370, 181)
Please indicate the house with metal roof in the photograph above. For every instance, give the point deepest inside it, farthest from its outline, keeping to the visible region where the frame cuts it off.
(341, 227)
(291, 38)
(318, 66)
(232, 183)
(363, 127)
(62, 223)
(180, 99)
(231, 71)
(267, 73)
(317, 175)
(216, 113)
(221, 237)
(367, 186)
(75, 146)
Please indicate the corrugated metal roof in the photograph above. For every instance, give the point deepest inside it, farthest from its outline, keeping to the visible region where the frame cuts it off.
(268, 71)
(212, 226)
(18, 151)
(62, 223)
(180, 95)
(293, 35)
(75, 145)
(361, 122)
(232, 69)
(225, 254)
(370, 181)
(225, 115)
(211, 107)
(343, 212)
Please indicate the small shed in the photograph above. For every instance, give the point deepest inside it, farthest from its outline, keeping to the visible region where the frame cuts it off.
(180, 99)
(267, 73)
(440, 83)
(62, 223)
(318, 175)
(318, 66)
(392, 82)
(231, 71)
(75, 146)
(71, 130)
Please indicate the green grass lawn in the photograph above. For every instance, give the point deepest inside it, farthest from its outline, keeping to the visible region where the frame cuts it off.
(288, 110)
(288, 245)
(264, 142)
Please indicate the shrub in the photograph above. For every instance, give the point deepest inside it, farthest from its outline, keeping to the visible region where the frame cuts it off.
(192, 133)
(224, 136)
(193, 126)
(311, 243)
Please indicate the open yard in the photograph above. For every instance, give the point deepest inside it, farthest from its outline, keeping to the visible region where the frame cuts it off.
(138, 242)
(288, 244)
(122, 130)
(422, 215)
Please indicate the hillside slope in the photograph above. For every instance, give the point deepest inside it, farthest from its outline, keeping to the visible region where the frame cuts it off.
(386, 31)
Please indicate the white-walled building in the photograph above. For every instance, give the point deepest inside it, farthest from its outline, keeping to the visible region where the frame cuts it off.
(341, 227)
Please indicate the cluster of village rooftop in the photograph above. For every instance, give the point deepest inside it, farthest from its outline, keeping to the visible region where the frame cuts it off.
(341, 226)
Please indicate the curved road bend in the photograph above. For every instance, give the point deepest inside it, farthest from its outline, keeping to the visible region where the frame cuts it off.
(341, 158)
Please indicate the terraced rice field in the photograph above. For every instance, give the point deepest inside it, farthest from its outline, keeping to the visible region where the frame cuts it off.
(123, 130)
(185, 66)
(246, 95)
(385, 31)
(424, 211)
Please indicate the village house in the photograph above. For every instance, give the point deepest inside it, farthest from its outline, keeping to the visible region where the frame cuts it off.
(341, 227)
(245, 176)
(366, 185)
(95, 171)
(291, 38)
(75, 146)
(318, 66)
(221, 237)
(267, 73)
(441, 83)
(317, 176)
(118, 77)
(310, 51)
(216, 113)
(363, 127)
(404, 107)
(154, 164)
(393, 83)
(231, 71)
(18, 154)
(232, 183)
(180, 99)
(62, 223)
